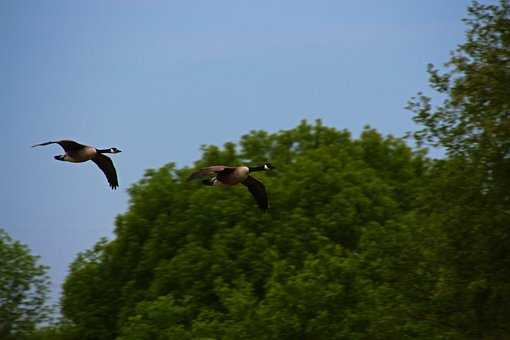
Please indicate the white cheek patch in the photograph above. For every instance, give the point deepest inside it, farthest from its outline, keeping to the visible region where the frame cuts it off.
(266, 167)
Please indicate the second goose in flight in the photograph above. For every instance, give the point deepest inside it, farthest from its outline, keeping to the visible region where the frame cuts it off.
(229, 175)
(78, 153)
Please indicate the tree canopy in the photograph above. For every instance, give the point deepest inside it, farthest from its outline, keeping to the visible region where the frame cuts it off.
(23, 289)
(365, 237)
(191, 261)
(468, 201)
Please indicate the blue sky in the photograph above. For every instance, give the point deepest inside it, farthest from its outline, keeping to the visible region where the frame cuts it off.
(160, 78)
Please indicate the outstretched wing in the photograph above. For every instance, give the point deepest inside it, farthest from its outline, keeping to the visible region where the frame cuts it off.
(258, 190)
(106, 165)
(66, 144)
(215, 169)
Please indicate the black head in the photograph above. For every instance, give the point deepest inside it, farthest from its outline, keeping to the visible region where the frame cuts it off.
(268, 166)
(114, 150)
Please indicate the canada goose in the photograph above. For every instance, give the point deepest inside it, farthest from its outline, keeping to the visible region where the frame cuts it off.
(78, 153)
(229, 175)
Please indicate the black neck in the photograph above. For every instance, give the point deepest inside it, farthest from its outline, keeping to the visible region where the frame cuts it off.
(104, 150)
(257, 168)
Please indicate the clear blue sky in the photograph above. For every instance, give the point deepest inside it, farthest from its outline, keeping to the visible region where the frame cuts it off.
(159, 78)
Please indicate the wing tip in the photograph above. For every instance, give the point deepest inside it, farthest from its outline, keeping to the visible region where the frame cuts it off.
(263, 205)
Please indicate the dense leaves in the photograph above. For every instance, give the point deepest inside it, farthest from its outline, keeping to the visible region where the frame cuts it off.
(23, 289)
(364, 238)
(190, 261)
(468, 201)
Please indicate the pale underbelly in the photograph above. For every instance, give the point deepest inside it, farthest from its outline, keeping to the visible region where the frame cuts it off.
(74, 160)
(80, 156)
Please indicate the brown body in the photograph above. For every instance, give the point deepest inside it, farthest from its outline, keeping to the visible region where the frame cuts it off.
(79, 153)
(239, 175)
(229, 176)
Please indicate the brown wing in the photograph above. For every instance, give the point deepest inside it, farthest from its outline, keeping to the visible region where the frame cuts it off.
(215, 169)
(106, 165)
(258, 190)
(70, 145)
(66, 144)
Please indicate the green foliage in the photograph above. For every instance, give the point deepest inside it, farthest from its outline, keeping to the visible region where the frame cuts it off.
(468, 201)
(23, 289)
(62, 331)
(364, 239)
(190, 261)
(473, 119)
(88, 285)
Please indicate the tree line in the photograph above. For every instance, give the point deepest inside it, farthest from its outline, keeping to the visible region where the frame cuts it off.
(366, 237)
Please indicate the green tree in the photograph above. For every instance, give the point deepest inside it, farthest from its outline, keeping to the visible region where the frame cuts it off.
(190, 261)
(90, 295)
(468, 200)
(23, 289)
(364, 239)
(473, 120)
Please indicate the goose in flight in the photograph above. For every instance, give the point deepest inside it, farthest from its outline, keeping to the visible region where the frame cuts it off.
(228, 176)
(79, 153)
